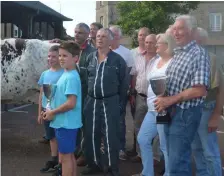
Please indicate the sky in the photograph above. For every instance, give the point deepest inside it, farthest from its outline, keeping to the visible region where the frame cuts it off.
(78, 10)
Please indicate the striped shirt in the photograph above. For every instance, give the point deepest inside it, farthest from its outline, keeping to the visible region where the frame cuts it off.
(141, 68)
(190, 66)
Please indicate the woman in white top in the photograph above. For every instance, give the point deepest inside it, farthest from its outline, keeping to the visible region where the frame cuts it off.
(149, 128)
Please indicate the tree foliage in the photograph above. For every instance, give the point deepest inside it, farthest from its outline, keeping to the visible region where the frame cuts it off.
(156, 15)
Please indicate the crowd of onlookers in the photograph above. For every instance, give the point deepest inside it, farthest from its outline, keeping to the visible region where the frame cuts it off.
(95, 77)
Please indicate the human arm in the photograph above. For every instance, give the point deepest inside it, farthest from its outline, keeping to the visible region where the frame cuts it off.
(67, 106)
(214, 119)
(132, 91)
(72, 90)
(199, 81)
(123, 82)
(162, 103)
(39, 118)
(40, 83)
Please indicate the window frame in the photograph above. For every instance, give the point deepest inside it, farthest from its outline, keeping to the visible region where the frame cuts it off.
(213, 22)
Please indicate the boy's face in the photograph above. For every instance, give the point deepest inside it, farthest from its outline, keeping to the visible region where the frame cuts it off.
(53, 58)
(67, 61)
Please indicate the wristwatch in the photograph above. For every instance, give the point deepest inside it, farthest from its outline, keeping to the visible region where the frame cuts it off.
(132, 91)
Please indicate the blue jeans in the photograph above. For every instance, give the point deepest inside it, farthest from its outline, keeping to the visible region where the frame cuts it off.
(180, 134)
(148, 131)
(205, 147)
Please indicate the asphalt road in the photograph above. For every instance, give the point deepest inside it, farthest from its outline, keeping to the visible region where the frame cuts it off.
(22, 155)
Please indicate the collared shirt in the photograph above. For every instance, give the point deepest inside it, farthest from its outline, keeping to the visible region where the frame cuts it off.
(141, 68)
(190, 66)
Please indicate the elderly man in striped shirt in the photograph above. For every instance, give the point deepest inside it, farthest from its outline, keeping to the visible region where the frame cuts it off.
(187, 85)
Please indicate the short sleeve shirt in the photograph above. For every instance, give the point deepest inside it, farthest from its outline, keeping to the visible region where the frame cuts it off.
(49, 77)
(68, 84)
(125, 53)
(189, 67)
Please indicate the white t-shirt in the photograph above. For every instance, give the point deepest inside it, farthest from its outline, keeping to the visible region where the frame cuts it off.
(126, 54)
(155, 72)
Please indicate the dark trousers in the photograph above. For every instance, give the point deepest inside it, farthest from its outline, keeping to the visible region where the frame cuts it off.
(80, 147)
(102, 121)
(123, 127)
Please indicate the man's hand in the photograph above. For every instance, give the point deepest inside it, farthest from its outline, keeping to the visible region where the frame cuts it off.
(213, 123)
(132, 100)
(40, 119)
(161, 103)
(48, 115)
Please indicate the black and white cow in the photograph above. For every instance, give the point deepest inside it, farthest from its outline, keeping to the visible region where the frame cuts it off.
(22, 62)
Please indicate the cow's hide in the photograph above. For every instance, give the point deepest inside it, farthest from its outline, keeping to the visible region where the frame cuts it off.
(22, 62)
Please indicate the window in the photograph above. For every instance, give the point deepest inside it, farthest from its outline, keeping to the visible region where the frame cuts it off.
(215, 21)
(101, 3)
(15, 33)
(101, 20)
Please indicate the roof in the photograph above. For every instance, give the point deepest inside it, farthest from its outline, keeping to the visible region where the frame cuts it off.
(36, 5)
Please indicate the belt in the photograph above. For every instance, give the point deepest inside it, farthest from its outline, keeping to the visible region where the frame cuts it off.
(143, 95)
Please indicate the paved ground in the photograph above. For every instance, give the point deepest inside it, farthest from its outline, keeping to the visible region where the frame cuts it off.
(22, 155)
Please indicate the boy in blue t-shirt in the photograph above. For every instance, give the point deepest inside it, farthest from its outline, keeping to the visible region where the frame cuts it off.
(50, 76)
(65, 115)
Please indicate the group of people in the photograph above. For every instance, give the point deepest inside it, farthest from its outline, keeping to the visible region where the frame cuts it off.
(96, 77)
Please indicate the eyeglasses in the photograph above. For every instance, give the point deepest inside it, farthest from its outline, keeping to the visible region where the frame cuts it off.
(161, 43)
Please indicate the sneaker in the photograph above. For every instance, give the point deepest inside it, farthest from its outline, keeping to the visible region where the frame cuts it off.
(91, 170)
(137, 175)
(111, 173)
(49, 167)
(58, 171)
(122, 155)
(136, 159)
(131, 153)
(81, 161)
(44, 141)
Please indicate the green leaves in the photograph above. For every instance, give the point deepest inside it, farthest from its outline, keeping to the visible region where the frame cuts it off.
(156, 15)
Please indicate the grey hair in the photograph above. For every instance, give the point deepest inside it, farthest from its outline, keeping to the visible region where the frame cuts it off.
(118, 29)
(169, 30)
(145, 29)
(170, 42)
(202, 33)
(84, 26)
(158, 36)
(108, 31)
(190, 21)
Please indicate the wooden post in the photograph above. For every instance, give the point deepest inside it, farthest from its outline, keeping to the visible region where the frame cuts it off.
(30, 26)
(12, 30)
(58, 29)
(5, 30)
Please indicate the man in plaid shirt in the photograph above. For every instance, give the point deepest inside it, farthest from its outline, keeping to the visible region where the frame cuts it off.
(187, 85)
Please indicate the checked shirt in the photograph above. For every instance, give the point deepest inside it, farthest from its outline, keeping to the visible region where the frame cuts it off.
(190, 66)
